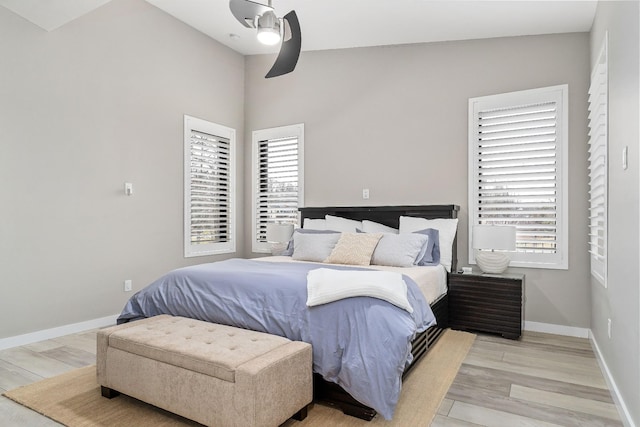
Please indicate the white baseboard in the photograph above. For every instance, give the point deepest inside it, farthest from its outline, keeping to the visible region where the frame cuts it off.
(615, 392)
(48, 334)
(550, 328)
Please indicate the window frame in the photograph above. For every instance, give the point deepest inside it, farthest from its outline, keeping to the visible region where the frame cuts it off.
(216, 248)
(296, 130)
(558, 94)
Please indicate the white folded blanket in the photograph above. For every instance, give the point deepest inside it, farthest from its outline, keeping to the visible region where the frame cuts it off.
(325, 285)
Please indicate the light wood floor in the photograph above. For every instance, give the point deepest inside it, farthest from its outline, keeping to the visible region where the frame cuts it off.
(540, 380)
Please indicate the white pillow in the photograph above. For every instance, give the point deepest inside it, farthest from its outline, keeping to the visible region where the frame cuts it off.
(314, 224)
(374, 227)
(399, 250)
(313, 247)
(343, 225)
(326, 285)
(447, 228)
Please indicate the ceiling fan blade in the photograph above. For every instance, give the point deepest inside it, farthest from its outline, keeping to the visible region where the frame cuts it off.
(290, 49)
(245, 11)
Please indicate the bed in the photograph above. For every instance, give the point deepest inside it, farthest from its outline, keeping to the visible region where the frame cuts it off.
(330, 392)
(270, 297)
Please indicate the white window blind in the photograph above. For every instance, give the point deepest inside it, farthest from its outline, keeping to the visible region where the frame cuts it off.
(518, 171)
(598, 174)
(209, 188)
(277, 179)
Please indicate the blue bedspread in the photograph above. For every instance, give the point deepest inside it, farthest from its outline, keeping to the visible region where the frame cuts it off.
(363, 344)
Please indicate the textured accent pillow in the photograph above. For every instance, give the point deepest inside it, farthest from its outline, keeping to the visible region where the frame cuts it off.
(342, 224)
(375, 227)
(354, 249)
(399, 250)
(313, 247)
(447, 228)
(326, 285)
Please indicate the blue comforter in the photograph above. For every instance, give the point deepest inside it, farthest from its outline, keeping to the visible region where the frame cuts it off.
(363, 344)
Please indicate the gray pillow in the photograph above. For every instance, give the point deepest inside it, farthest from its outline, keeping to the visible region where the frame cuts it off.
(399, 250)
(313, 247)
(289, 250)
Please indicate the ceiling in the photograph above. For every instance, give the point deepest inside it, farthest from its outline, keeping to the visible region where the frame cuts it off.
(51, 14)
(337, 24)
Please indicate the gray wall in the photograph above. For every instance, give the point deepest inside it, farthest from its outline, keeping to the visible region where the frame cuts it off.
(83, 109)
(394, 120)
(621, 300)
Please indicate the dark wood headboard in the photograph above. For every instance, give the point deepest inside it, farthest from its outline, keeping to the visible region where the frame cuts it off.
(388, 215)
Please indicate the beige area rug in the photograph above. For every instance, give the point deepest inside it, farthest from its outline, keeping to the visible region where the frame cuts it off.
(74, 399)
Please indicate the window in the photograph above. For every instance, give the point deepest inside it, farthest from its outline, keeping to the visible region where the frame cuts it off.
(518, 171)
(598, 178)
(278, 179)
(209, 188)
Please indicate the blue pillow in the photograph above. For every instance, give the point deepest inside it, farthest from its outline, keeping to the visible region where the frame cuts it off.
(432, 251)
(289, 250)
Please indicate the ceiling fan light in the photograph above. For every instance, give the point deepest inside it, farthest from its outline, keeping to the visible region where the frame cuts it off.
(268, 28)
(268, 37)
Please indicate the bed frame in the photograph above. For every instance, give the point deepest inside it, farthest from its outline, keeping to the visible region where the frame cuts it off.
(333, 394)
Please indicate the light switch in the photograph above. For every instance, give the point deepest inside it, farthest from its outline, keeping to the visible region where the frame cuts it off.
(128, 188)
(625, 157)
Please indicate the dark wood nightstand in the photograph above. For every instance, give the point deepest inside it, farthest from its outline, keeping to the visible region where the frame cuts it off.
(487, 302)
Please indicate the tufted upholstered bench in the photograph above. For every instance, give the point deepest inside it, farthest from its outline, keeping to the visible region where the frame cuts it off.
(214, 374)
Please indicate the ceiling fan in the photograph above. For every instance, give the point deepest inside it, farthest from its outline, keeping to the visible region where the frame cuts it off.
(271, 30)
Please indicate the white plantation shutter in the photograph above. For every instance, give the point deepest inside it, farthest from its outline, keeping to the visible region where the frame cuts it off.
(209, 188)
(598, 174)
(277, 179)
(518, 171)
(210, 181)
(277, 195)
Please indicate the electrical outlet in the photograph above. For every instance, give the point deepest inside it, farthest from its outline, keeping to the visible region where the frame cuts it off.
(609, 327)
(128, 285)
(365, 193)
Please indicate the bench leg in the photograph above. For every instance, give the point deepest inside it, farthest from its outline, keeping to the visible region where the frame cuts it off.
(301, 414)
(108, 392)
